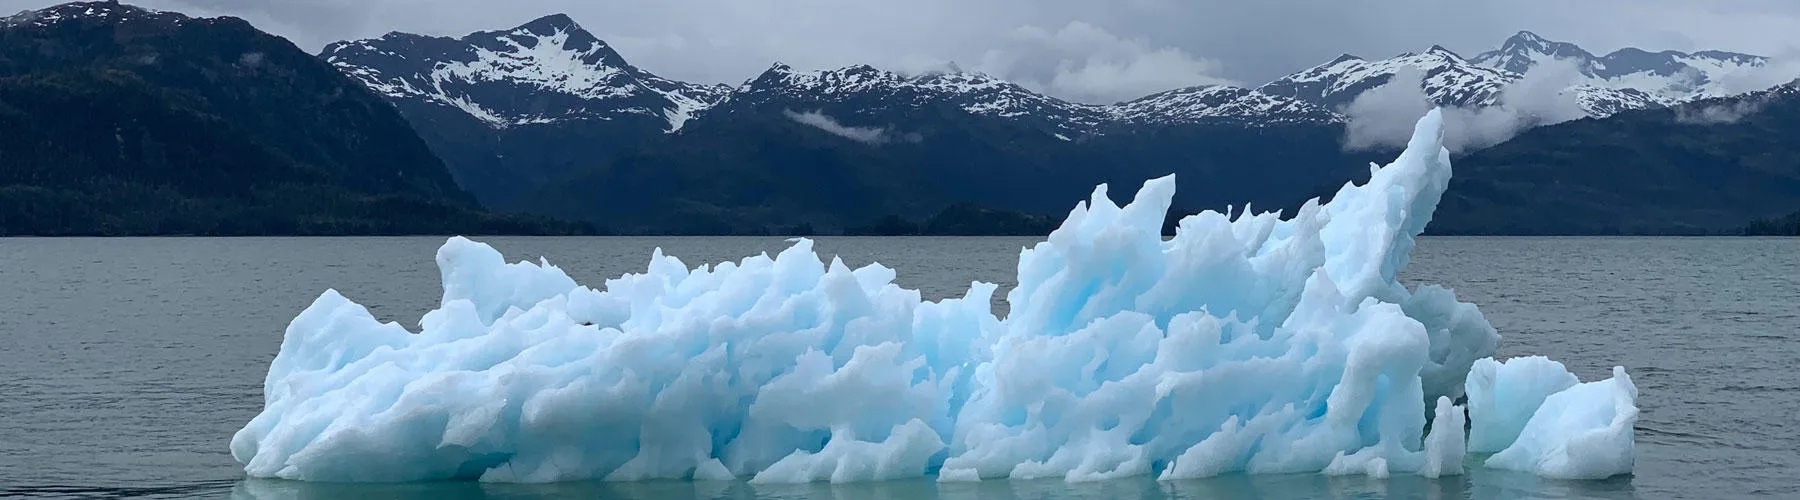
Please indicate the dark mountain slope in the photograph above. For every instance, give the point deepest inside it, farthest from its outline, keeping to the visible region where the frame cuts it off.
(756, 165)
(768, 174)
(120, 120)
(510, 110)
(1700, 168)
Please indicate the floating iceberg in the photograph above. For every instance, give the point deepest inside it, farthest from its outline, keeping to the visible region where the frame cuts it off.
(1504, 396)
(1541, 420)
(1248, 344)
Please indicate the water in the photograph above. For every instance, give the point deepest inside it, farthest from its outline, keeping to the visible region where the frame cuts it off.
(126, 364)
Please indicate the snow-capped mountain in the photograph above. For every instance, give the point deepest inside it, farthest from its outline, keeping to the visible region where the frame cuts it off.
(545, 71)
(865, 90)
(98, 12)
(1526, 50)
(551, 70)
(511, 111)
(1448, 79)
(1220, 103)
(516, 113)
(1670, 76)
(1625, 79)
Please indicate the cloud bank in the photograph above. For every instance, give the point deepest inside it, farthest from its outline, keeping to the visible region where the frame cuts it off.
(1378, 118)
(1085, 63)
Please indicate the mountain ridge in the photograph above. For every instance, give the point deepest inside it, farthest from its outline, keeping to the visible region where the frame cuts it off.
(1672, 76)
(567, 69)
(1625, 79)
(546, 118)
(914, 143)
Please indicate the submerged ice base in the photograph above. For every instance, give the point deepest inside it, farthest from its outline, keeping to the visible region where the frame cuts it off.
(1252, 344)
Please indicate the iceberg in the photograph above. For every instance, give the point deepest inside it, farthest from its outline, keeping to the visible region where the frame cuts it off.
(1542, 420)
(1245, 343)
(1504, 396)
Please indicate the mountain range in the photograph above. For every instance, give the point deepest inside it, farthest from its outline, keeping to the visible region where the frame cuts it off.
(570, 74)
(546, 118)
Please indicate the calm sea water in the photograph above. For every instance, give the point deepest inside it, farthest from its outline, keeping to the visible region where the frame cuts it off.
(127, 364)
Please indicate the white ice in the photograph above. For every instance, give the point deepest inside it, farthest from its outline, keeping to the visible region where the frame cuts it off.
(1503, 396)
(1542, 420)
(1247, 344)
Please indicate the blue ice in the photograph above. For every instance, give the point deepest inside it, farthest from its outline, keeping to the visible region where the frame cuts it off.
(1247, 343)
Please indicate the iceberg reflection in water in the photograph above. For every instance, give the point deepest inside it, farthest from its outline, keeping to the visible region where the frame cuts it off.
(1487, 484)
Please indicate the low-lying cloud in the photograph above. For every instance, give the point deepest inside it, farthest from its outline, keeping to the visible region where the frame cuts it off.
(1383, 117)
(821, 121)
(1085, 63)
(1779, 70)
(1716, 114)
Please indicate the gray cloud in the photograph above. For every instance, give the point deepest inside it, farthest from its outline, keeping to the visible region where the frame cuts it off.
(1084, 62)
(821, 121)
(1708, 113)
(1131, 46)
(1383, 116)
(1782, 68)
(1713, 114)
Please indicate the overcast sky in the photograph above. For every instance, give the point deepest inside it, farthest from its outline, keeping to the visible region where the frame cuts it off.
(1085, 50)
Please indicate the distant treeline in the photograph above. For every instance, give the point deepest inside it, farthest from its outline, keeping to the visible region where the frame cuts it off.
(1780, 226)
(111, 208)
(962, 219)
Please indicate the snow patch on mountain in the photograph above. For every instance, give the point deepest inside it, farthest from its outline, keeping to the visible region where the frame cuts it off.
(1599, 101)
(1220, 102)
(1448, 79)
(52, 15)
(548, 61)
(684, 110)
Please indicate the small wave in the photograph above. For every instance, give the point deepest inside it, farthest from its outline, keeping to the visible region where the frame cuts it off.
(1757, 388)
(64, 491)
(1660, 432)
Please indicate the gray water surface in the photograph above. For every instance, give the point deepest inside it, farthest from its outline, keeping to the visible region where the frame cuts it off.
(127, 364)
